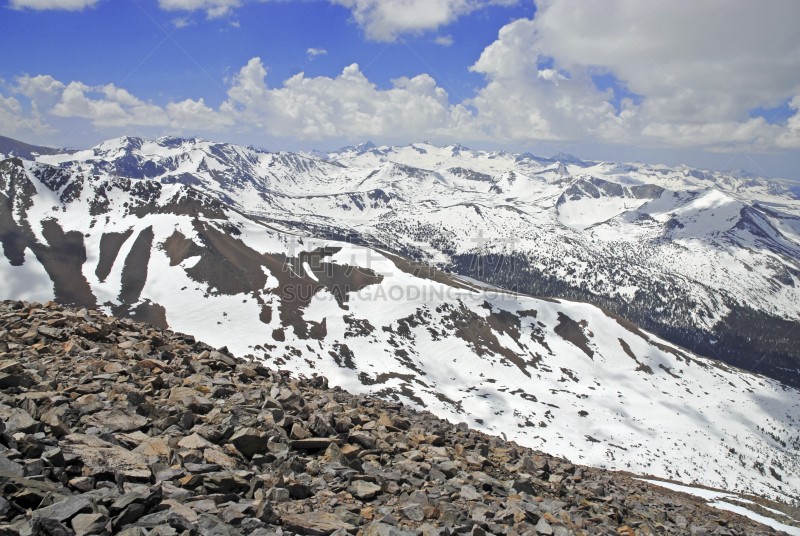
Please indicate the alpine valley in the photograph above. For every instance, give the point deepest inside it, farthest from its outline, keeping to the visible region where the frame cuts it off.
(347, 265)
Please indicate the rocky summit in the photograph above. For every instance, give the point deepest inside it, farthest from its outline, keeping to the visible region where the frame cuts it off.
(110, 426)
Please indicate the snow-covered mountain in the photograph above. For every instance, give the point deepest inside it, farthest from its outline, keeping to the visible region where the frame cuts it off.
(559, 375)
(707, 260)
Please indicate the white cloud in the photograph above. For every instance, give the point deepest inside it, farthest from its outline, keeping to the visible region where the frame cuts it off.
(105, 106)
(694, 79)
(551, 75)
(382, 20)
(697, 76)
(348, 105)
(69, 5)
(789, 138)
(523, 102)
(195, 115)
(43, 91)
(119, 108)
(183, 22)
(314, 52)
(723, 60)
(444, 40)
(13, 120)
(38, 86)
(213, 8)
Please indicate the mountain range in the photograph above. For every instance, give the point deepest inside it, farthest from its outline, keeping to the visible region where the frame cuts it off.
(706, 260)
(246, 256)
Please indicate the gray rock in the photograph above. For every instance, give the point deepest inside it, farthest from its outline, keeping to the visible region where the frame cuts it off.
(49, 526)
(469, 493)
(417, 497)
(414, 512)
(315, 524)
(251, 524)
(89, 524)
(66, 509)
(544, 528)
(449, 468)
(11, 467)
(103, 457)
(382, 529)
(198, 404)
(19, 420)
(313, 443)
(179, 521)
(208, 525)
(266, 513)
(278, 495)
(363, 439)
(118, 420)
(132, 531)
(128, 515)
(477, 531)
(249, 441)
(365, 490)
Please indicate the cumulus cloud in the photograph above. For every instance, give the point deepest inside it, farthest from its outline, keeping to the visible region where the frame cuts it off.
(716, 64)
(789, 138)
(105, 106)
(13, 120)
(195, 115)
(117, 107)
(69, 5)
(383, 20)
(444, 40)
(695, 77)
(523, 102)
(38, 86)
(314, 52)
(10, 115)
(348, 105)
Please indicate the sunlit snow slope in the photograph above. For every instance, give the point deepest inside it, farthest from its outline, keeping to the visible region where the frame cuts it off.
(563, 376)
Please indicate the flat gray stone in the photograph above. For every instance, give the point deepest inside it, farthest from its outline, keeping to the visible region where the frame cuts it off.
(315, 524)
(64, 510)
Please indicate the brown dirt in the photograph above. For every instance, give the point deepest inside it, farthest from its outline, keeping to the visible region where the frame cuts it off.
(134, 273)
(110, 244)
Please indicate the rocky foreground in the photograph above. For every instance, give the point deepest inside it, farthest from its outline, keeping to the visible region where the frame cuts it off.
(113, 427)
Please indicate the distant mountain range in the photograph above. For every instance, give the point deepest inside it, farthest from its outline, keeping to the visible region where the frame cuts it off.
(707, 260)
(554, 374)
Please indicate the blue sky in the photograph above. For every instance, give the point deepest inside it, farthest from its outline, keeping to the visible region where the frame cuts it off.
(106, 44)
(620, 80)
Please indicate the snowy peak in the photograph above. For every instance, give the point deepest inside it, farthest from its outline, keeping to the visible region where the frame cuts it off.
(590, 201)
(567, 159)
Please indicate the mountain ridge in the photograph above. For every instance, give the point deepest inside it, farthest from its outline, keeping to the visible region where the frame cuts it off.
(707, 260)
